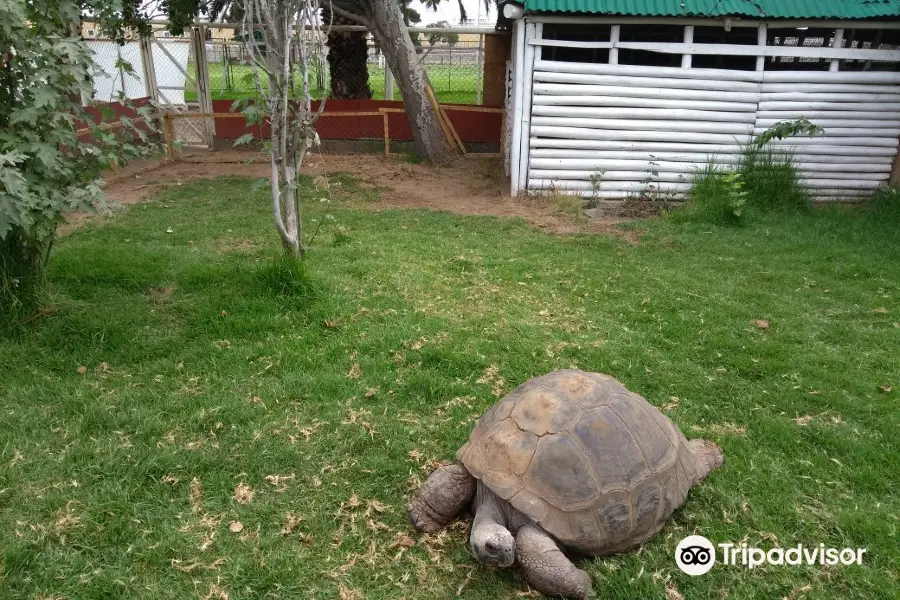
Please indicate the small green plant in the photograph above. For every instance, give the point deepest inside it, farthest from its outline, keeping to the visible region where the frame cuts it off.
(653, 191)
(651, 178)
(717, 196)
(596, 180)
(737, 195)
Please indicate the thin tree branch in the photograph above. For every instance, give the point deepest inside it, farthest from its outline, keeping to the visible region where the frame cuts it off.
(276, 201)
(337, 10)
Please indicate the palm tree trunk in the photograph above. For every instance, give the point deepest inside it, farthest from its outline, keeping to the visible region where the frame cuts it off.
(347, 56)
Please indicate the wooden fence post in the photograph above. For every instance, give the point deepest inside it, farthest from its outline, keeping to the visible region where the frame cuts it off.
(437, 113)
(456, 138)
(387, 135)
(169, 132)
(201, 77)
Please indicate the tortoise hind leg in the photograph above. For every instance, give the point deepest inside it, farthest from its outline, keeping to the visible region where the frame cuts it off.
(547, 568)
(707, 457)
(443, 496)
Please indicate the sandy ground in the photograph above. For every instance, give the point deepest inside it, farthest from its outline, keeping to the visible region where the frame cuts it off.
(471, 186)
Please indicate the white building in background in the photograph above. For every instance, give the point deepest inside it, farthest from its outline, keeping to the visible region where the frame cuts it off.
(604, 105)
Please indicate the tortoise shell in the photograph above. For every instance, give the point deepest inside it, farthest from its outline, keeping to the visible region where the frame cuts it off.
(597, 466)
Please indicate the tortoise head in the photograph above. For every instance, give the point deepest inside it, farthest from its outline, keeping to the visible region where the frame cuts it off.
(493, 545)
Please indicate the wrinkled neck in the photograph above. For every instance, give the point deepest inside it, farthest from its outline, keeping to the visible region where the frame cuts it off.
(489, 508)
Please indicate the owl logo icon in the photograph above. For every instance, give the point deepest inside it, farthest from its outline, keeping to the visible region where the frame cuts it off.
(695, 555)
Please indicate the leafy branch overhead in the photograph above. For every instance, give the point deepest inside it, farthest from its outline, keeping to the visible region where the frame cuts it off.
(451, 39)
(785, 129)
(181, 13)
(358, 10)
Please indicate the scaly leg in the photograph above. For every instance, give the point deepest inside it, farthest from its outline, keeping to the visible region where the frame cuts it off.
(547, 568)
(443, 496)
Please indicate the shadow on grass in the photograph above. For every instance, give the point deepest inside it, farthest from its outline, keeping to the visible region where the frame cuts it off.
(144, 306)
(287, 278)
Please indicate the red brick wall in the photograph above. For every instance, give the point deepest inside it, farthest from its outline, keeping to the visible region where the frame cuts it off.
(118, 109)
(471, 126)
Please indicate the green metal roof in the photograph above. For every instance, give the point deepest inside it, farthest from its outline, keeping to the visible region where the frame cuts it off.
(753, 9)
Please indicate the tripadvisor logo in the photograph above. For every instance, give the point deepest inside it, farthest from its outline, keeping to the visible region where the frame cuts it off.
(696, 555)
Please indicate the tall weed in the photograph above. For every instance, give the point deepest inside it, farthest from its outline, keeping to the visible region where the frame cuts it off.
(764, 180)
(717, 196)
(771, 180)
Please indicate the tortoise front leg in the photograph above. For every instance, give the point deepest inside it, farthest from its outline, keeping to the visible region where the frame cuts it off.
(546, 568)
(443, 496)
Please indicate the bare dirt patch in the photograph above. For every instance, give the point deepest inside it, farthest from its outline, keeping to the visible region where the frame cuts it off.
(641, 208)
(470, 186)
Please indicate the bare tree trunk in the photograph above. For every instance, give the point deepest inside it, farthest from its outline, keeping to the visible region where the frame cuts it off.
(390, 32)
(292, 120)
(385, 20)
(278, 59)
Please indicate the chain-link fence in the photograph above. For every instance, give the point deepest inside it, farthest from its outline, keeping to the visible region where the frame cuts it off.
(454, 64)
(175, 76)
(118, 71)
(187, 74)
(455, 67)
(453, 60)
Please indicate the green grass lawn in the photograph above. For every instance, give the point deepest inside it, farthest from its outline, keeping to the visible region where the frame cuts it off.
(452, 84)
(215, 395)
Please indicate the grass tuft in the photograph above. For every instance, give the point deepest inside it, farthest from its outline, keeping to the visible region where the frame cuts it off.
(710, 199)
(412, 158)
(567, 204)
(771, 180)
(286, 277)
(884, 207)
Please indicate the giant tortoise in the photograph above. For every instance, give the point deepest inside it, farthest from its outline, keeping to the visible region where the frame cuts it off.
(570, 461)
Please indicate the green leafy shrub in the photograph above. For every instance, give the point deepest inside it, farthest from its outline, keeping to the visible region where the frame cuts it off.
(46, 167)
(717, 196)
